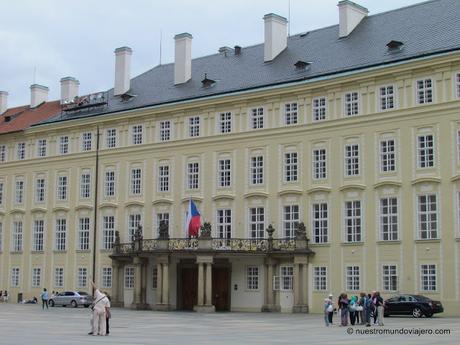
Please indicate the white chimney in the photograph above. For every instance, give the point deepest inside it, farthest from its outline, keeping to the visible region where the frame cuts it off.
(3, 101)
(122, 70)
(350, 15)
(183, 58)
(38, 95)
(69, 89)
(275, 36)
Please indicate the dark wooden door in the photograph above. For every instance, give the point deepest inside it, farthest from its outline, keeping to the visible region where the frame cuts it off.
(189, 281)
(220, 288)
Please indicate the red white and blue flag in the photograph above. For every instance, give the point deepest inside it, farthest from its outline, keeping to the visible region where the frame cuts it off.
(193, 222)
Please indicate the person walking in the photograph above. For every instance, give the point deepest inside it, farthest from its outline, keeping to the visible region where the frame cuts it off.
(108, 315)
(44, 297)
(361, 309)
(99, 312)
(368, 305)
(344, 303)
(330, 309)
(379, 304)
(327, 303)
(374, 308)
(352, 309)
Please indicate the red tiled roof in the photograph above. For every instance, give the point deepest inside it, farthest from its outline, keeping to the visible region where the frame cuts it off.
(23, 117)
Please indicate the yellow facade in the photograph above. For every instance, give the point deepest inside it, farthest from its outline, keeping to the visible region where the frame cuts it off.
(404, 124)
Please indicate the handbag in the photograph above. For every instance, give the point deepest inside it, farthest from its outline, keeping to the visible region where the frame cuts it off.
(359, 308)
(330, 308)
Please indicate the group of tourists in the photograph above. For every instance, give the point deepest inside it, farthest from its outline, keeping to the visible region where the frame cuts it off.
(355, 310)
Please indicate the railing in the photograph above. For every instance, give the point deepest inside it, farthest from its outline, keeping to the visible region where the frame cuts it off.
(248, 245)
(85, 102)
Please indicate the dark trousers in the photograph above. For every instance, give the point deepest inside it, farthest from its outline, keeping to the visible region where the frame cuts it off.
(330, 314)
(107, 325)
(44, 303)
(375, 314)
(352, 317)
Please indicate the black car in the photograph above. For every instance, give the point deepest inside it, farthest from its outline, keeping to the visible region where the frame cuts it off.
(415, 305)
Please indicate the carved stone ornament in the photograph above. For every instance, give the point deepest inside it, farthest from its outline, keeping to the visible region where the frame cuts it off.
(205, 231)
(270, 230)
(138, 233)
(164, 230)
(301, 231)
(116, 243)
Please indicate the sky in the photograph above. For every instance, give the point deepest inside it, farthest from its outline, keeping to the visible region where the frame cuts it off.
(43, 41)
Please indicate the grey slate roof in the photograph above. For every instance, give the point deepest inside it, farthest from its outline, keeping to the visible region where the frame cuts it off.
(426, 28)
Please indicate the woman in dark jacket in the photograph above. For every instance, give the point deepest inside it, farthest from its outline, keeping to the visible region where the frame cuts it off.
(343, 303)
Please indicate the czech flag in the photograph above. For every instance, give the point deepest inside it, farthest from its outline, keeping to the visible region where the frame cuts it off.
(193, 222)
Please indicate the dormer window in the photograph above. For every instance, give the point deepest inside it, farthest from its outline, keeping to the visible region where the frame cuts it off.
(394, 46)
(206, 82)
(302, 65)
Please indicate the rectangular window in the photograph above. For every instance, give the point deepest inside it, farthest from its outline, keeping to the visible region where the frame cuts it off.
(134, 220)
(109, 184)
(19, 191)
(424, 89)
(137, 134)
(320, 278)
(163, 178)
(387, 97)
(290, 113)
(17, 236)
(319, 164)
(136, 176)
(83, 233)
(85, 186)
(257, 170)
(225, 122)
(108, 232)
(86, 141)
(387, 155)
(320, 222)
(427, 217)
(21, 151)
(319, 108)
(63, 145)
(252, 278)
(38, 235)
(41, 148)
(15, 276)
(425, 150)
(352, 278)
(165, 130)
(257, 118)
(129, 277)
(224, 223)
(389, 278)
(61, 234)
(290, 220)
(290, 167)
(154, 278)
(36, 277)
(2, 153)
(256, 222)
(62, 188)
(193, 175)
(224, 173)
(286, 277)
(351, 103)
(457, 85)
(106, 277)
(194, 126)
(352, 160)
(40, 190)
(353, 221)
(111, 138)
(82, 276)
(428, 278)
(389, 219)
(59, 277)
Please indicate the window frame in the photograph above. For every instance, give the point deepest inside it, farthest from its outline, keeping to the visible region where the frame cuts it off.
(291, 166)
(256, 222)
(319, 110)
(252, 278)
(429, 232)
(84, 230)
(320, 278)
(38, 235)
(353, 231)
(257, 118)
(387, 158)
(291, 113)
(423, 151)
(391, 233)
(424, 91)
(435, 275)
(320, 232)
(352, 160)
(194, 124)
(137, 134)
(351, 106)
(386, 98)
(353, 278)
(319, 163)
(388, 276)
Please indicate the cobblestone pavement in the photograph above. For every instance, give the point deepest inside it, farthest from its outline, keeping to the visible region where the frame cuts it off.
(29, 324)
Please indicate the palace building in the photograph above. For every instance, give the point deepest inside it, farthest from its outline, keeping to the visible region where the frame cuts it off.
(322, 162)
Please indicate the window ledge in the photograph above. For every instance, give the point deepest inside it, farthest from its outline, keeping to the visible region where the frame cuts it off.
(432, 240)
(83, 251)
(389, 242)
(353, 243)
(37, 252)
(327, 244)
(59, 251)
(16, 253)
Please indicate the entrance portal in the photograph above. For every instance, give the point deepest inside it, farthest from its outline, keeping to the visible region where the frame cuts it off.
(189, 282)
(221, 288)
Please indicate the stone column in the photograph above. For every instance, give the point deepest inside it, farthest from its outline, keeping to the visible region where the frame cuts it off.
(162, 295)
(159, 296)
(300, 284)
(200, 284)
(204, 284)
(165, 291)
(305, 284)
(270, 304)
(115, 284)
(144, 284)
(208, 291)
(137, 283)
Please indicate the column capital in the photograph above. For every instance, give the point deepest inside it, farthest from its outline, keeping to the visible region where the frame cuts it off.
(204, 259)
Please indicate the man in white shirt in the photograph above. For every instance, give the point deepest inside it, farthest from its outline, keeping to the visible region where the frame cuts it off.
(100, 303)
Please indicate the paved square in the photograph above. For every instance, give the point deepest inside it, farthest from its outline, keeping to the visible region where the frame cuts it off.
(29, 324)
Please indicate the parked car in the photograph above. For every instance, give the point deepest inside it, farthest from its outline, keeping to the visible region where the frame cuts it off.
(72, 298)
(415, 305)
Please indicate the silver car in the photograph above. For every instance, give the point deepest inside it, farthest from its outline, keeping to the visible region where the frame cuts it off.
(72, 298)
